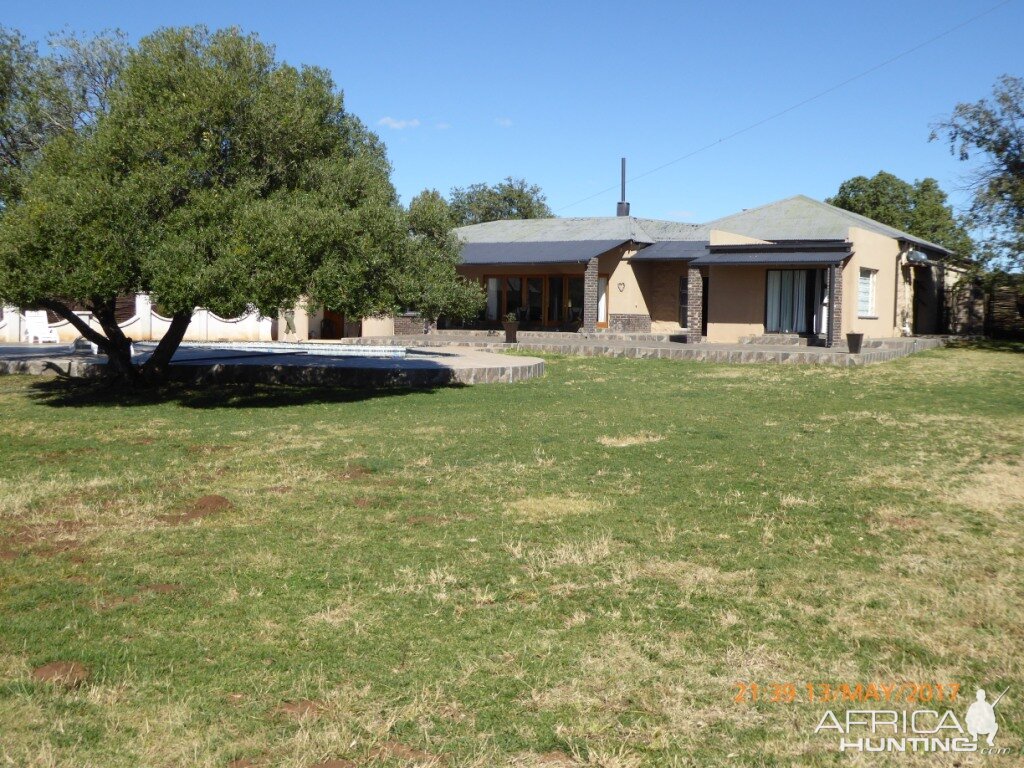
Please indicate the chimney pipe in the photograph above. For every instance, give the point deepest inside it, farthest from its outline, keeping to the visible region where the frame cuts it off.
(622, 209)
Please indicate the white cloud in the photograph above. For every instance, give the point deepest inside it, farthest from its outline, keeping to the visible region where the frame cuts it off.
(504, 122)
(442, 126)
(398, 125)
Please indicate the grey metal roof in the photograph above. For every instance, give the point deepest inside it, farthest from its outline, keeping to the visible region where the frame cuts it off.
(670, 250)
(803, 218)
(739, 258)
(541, 252)
(798, 218)
(673, 230)
(602, 228)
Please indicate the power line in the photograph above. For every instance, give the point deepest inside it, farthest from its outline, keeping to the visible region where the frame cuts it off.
(799, 104)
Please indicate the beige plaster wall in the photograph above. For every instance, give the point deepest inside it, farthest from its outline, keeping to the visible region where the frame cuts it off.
(617, 265)
(736, 302)
(873, 251)
(721, 237)
(378, 326)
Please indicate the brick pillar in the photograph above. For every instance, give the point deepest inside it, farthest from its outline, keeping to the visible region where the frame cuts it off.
(694, 305)
(835, 305)
(590, 297)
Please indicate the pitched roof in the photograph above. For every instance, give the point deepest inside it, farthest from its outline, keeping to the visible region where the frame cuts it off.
(798, 218)
(536, 252)
(672, 250)
(621, 229)
(802, 218)
(818, 252)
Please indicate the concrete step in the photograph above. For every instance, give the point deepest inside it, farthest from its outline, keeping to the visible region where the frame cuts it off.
(499, 334)
(793, 339)
(798, 340)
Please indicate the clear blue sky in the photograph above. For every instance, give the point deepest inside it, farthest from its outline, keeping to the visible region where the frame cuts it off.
(556, 92)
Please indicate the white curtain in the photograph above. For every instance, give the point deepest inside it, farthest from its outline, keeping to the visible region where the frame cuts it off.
(787, 301)
(800, 300)
(493, 299)
(602, 300)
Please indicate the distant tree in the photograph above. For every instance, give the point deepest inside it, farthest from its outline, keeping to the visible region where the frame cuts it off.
(919, 209)
(508, 199)
(994, 131)
(45, 96)
(217, 178)
(434, 255)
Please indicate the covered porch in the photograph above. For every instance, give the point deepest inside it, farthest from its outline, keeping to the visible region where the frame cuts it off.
(730, 293)
(556, 286)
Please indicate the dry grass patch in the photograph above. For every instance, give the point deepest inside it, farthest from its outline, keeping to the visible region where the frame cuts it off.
(790, 501)
(690, 577)
(625, 441)
(541, 560)
(537, 509)
(341, 613)
(887, 517)
(997, 489)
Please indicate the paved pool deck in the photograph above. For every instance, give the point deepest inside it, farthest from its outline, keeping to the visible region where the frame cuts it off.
(434, 366)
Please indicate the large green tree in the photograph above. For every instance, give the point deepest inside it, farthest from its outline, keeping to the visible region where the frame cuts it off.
(218, 177)
(508, 199)
(42, 97)
(919, 208)
(991, 132)
(435, 252)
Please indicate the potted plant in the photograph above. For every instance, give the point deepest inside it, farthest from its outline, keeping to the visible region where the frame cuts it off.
(511, 324)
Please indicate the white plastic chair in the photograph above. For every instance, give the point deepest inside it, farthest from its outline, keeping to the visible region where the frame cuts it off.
(37, 328)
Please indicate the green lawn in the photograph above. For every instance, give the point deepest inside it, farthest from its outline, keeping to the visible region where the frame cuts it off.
(575, 570)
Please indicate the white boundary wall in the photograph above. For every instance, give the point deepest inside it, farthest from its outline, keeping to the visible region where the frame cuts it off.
(147, 325)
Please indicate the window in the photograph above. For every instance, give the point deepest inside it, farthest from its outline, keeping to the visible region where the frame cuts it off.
(493, 299)
(866, 292)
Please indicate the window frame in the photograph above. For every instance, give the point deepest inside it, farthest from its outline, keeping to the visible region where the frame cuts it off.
(872, 275)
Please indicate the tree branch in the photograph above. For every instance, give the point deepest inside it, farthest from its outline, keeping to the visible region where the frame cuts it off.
(80, 325)
(156, 367)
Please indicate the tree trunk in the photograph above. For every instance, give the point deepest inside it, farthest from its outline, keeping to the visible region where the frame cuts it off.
(118, 347)
(114, 345)
(119, 353)
(155, 369)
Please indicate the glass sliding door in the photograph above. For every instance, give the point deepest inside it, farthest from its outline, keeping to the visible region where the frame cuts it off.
(534, 299)
(493, 299)
(556, 298)
(574, 306)
(541, 300)
(514, 296)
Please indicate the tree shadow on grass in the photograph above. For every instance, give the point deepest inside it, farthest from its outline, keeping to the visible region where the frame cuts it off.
(77, 393)
(991, 345)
